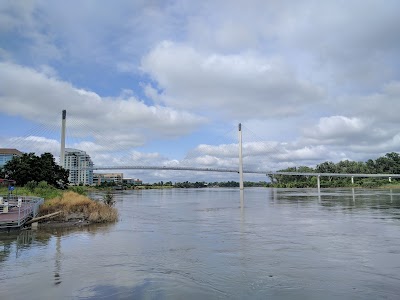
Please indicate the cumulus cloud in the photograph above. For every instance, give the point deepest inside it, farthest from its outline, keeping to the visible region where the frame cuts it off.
(258, 156)
(113, 121)
(336, 127)
(35, 144)
(245, 85)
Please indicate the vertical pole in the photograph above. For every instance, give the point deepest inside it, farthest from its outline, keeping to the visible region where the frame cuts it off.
(319, 184)
(241, 185)
(352, 179)
(62, 152)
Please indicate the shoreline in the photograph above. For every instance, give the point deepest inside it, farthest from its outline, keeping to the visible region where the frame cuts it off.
(65, 224)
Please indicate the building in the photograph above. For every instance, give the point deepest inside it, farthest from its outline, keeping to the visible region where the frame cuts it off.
(131, 181)
(116, 178)
(80, 167)
(99, 178)
(7, 154)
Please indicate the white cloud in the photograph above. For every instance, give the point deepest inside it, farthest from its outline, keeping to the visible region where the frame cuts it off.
(336, 127)
(36, 144)
(245, 85)
(32, 95)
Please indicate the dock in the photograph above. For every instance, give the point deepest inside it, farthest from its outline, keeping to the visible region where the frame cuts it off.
(15, 210)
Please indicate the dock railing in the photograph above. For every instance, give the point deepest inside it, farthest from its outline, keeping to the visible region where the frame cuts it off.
(15, 210)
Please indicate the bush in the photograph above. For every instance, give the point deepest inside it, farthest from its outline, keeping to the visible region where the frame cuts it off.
(79, 190)
(31, 185)
(108, 198)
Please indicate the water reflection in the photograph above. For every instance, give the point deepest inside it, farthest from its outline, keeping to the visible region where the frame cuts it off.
(58, 256)
(17, 242)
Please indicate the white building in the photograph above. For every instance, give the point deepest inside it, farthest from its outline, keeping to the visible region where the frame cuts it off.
(80, 167)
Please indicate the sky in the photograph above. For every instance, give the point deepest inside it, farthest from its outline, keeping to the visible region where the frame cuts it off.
(166, 82)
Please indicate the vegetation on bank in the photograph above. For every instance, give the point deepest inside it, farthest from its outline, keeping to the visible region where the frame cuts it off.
(387, 164)
(76, 206)
(32, 188)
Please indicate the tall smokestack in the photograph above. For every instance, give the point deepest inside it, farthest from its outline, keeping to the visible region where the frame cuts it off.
(62, 152)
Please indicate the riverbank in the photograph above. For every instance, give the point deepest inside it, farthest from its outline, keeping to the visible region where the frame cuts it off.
(76, 210)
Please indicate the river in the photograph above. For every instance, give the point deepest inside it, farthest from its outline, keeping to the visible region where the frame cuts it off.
(212, 243)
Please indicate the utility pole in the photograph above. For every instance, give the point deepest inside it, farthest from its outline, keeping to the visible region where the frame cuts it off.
(62, 152)
(241, 185)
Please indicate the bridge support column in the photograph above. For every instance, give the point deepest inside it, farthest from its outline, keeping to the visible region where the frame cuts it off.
(352, 179)
(319, 184)
(62, 152)
(241, 185)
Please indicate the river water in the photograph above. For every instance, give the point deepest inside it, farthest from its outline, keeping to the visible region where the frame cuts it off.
(212, 244)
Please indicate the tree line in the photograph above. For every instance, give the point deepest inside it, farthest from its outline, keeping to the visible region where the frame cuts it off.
(203, 184)
(387, 164)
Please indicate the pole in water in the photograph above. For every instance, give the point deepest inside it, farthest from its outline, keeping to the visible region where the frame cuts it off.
(241, 185)
(62, 152)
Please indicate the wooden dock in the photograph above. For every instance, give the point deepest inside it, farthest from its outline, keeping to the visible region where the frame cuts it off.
(15, 211)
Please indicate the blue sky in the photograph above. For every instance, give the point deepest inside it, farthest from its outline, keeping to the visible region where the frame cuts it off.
(167, 82)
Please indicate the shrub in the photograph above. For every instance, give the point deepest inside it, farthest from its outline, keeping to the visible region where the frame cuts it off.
(31, 185)
(108, 198)
(78, 189)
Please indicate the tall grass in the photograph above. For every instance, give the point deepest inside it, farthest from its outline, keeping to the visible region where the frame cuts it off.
(73, 205)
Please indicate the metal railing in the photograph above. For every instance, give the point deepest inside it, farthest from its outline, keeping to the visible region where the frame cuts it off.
(26, 206)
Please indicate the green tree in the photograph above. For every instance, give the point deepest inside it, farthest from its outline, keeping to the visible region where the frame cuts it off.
(29, 167)
(390, 163)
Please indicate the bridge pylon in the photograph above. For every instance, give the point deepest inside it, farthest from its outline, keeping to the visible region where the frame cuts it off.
(241, 185)
(62, 150)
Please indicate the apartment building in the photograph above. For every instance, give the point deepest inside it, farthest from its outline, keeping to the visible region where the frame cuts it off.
(80, 167)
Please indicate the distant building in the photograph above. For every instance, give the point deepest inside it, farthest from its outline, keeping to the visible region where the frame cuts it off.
(131, 181)
(117, 178)
(7, 154)
(80, 167)
(99, 178)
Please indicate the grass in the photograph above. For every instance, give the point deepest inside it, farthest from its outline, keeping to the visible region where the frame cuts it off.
(391, 186)
(42, 190)
(75, 206)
